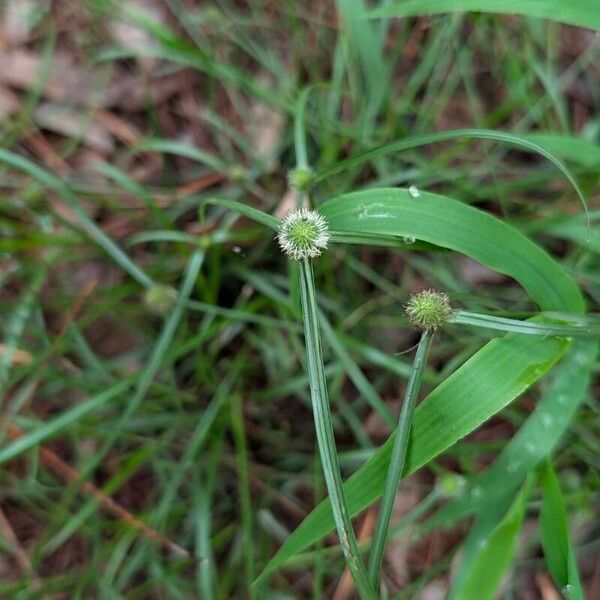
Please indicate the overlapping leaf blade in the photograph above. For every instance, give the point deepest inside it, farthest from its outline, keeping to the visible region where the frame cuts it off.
(457, 226)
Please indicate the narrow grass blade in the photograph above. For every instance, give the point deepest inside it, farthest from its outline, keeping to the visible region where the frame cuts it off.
(58, 424)
(554, 532)
(425, 140)
(198, 439)
(368, 43)
(168, 331)
(173, 48)
(325, 436)
(299, 130)
(88, 226)
(180, 149)
(355, 374)
(463, 317)
(16, 325)
(158, 352)
(241, 448)
(129, 184)
(203, 497)
(397, 458)
(583, 13)
(248, 211)
(575, 149)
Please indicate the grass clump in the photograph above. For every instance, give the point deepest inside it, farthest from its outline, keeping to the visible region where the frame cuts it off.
(187, 412)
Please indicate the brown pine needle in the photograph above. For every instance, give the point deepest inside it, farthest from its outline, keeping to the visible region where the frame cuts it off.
(65, 472)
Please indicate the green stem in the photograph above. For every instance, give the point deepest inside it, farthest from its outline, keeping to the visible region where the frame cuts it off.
(463, 317)
(397, 458)
(241, 447)
(325, 436)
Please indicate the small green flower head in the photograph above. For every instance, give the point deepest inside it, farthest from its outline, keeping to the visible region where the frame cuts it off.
(428, 309)
(303, 234)
(238, 174)
(160, 299)
(451, 485)
(301, 179)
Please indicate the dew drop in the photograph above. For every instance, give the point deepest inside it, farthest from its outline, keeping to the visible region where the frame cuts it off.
(236, 249)
(513, 466)
(476, 492)
(408, 239)
(482, 543)
(413, 190)
(546, 419)
(567, 590)
(563, 399)
(529, 447)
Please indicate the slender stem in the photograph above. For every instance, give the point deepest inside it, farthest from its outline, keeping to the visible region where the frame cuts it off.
(299, 132)
(463, 317)
(397, 459)
(241, 448)
(325, 435)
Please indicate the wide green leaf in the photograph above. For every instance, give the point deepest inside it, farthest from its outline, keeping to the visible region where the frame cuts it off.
(394, 212)
(583, 13)
(536, 439)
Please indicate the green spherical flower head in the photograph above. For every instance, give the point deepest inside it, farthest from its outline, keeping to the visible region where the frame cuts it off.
(238, 174)
(160, 299)
(301, 179)
(303, 234)
(428, 309)
(451, 485)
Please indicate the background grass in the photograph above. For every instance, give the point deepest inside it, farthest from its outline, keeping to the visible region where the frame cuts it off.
(190, 410)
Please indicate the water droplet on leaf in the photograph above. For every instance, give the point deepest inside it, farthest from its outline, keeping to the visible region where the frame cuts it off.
(513, 466)
(413, 190)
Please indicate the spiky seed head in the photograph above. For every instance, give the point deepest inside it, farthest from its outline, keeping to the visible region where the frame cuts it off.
(301, 179)
(428, 309)
(303, 233)
(160, 299)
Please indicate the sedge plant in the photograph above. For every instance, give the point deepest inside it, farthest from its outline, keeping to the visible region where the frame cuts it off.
(427, 311)
(387, 217)
(303, 235)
